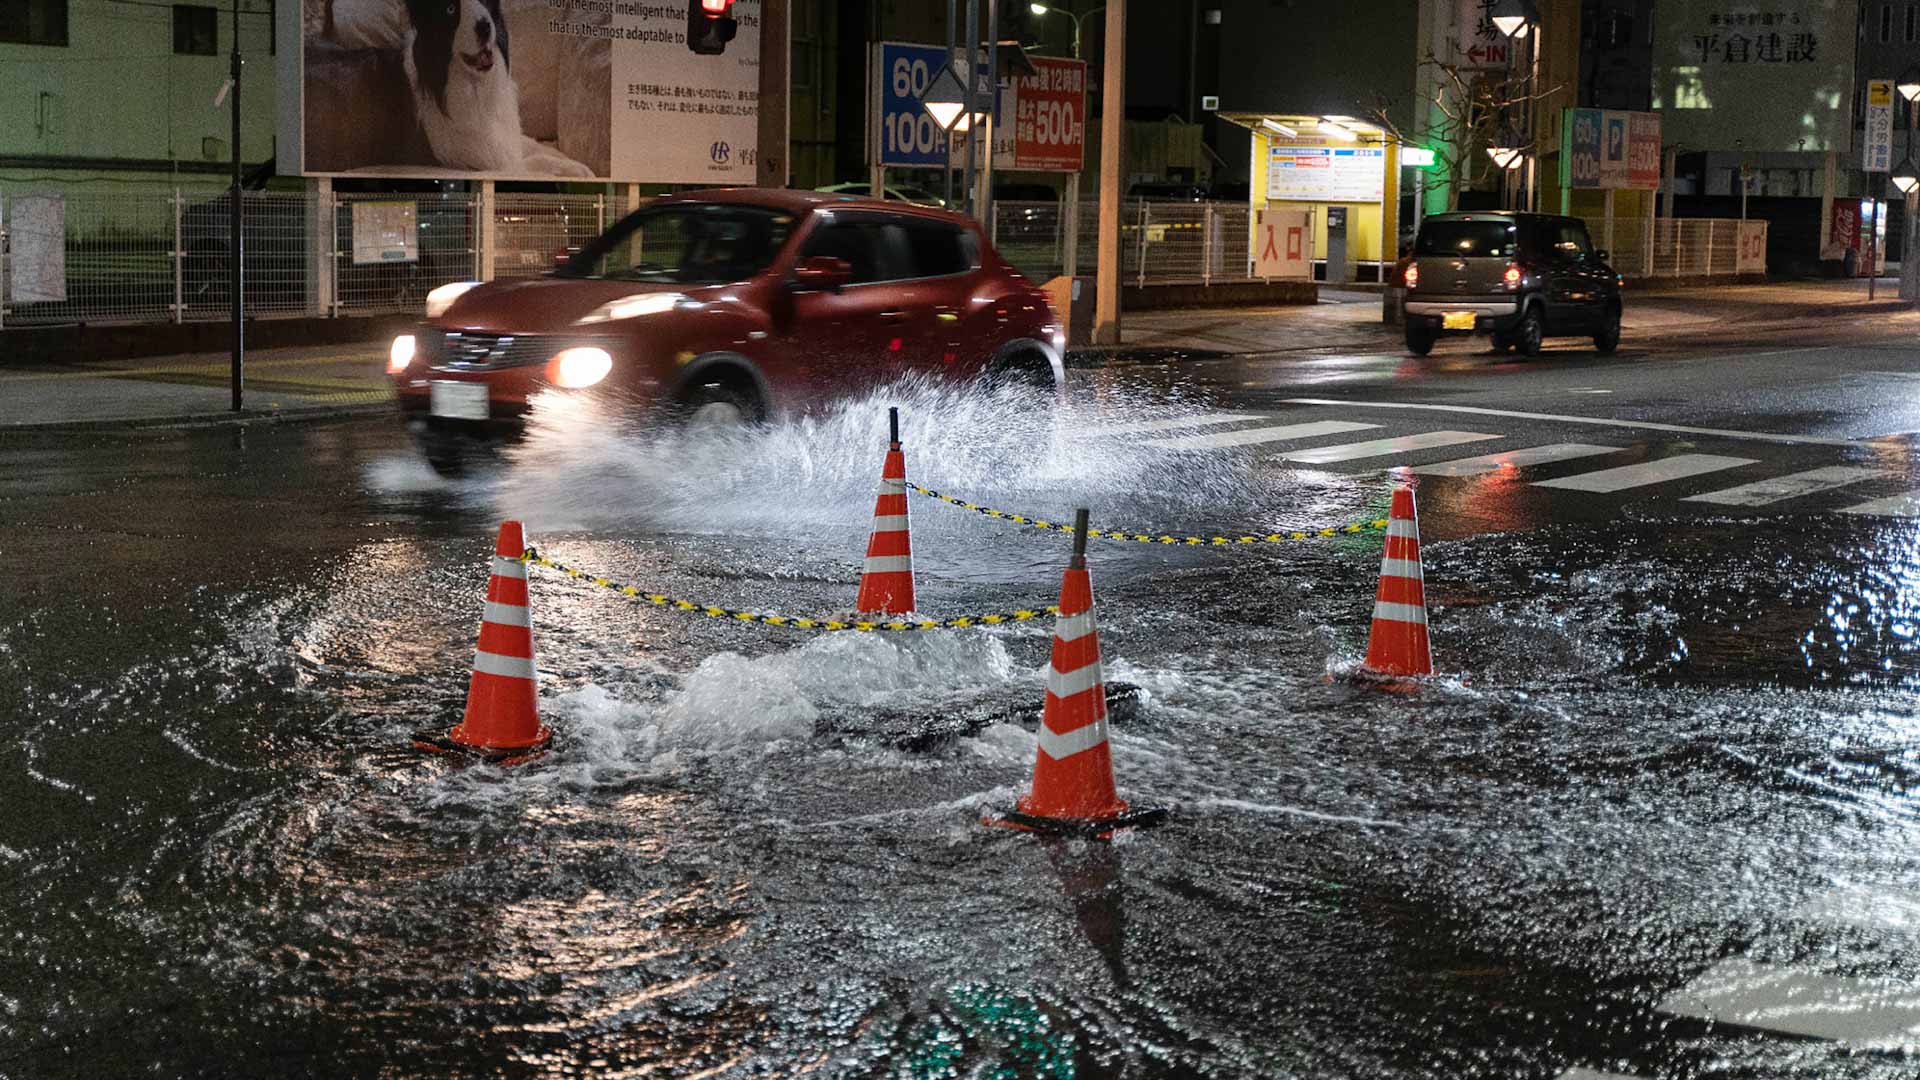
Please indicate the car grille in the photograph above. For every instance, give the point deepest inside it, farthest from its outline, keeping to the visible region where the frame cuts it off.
(465, 351)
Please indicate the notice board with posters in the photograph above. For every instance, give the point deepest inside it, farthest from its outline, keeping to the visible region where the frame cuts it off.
(1610, 149)
(385, 232)
(36, 248)
(1050, 116)
(606, 90)
(1314, 168)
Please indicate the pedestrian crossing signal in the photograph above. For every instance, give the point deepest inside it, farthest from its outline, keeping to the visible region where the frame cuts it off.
(709, 27)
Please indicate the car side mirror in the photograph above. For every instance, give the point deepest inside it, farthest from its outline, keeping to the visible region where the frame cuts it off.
(821, 273)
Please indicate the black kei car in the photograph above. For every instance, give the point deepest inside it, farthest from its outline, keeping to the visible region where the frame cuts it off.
(1518, 277)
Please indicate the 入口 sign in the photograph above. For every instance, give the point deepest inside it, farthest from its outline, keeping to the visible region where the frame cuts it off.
(1282, 244)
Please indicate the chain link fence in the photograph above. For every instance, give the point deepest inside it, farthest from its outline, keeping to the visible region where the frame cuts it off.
(128, 258)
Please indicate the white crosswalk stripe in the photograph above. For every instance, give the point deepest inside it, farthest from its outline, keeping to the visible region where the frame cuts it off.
(1763, 492)
(1867, 1014)
(1570, 1074)
(1404, 444)
(1907, 505)
(1864, 907)
(1513, 459)
(1677, 467)
(1174, 423)
(1255, 436)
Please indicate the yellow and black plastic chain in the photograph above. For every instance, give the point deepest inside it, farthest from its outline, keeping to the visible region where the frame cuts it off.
(1161, 538)
(816, 624)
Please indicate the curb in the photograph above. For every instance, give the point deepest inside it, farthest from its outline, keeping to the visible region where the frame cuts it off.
(193, 420)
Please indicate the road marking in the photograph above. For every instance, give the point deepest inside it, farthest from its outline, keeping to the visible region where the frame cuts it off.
(1175, 423)
(1865, 907)
(1322, 455)
(1513, 459)
(1868, 1014)
(1676, 467)
(1647, 425)
(1251, 436)
(1907, 505)
(1787, 487)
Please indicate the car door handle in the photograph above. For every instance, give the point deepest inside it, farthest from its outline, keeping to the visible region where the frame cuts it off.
(893, 316)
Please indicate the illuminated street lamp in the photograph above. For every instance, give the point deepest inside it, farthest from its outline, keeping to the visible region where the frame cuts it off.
(1909, 84)
(1045, 9)
(1904, 177)
(1506, 150)
(945, 99)
(1514, 17)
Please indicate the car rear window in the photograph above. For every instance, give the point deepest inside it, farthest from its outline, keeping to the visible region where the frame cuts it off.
(1467, 239)
(937, 250)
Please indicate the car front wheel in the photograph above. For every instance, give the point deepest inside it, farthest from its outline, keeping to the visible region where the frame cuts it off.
(1420, 340)
(1608, 339)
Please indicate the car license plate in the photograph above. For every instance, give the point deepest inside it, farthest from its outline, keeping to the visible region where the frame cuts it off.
(1457, 320)
(458, 400)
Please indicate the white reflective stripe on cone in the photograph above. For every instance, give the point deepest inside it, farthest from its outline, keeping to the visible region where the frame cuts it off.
(1074, 627)
(505, 567)
(892, 487)
(1411, 613)
(1087, 737)
(890, 523)
(1402, 527)
(1068, 683)
(506, 614)
(1408, 568)
(889, 564)
(508, 667)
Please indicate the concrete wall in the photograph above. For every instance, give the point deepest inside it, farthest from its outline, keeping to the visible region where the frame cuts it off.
(118, 91)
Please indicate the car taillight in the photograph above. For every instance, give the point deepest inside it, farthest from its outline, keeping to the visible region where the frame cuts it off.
(1512, 275)
(1413, 275)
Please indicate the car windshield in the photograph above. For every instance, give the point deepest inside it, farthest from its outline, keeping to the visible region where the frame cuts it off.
(686, 244)
(1467, 239)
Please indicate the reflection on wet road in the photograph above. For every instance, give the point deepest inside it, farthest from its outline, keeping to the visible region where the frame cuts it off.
(1663, 804)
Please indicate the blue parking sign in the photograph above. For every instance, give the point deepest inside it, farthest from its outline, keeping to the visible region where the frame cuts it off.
(905, 132)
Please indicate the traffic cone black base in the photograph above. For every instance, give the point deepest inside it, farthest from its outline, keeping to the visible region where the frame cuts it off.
(1133, 817)
(438, 742)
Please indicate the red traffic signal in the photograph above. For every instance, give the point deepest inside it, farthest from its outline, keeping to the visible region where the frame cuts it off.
(709, 27)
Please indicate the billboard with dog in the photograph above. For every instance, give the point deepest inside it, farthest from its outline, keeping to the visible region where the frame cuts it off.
(645, 91)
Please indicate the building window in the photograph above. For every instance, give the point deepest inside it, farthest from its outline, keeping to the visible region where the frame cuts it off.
(33, 22)
(1886, 23)
(196, 30)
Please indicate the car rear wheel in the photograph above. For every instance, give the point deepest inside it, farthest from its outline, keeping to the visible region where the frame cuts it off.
(1420, 340)
(1608, 339)
(1527, 336)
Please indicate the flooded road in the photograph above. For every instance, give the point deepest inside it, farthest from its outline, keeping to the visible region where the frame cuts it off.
(1671, 737)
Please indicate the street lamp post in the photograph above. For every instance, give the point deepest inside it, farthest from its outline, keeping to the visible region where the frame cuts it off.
(1044, 9)
(1518, 19)
(1907, 179)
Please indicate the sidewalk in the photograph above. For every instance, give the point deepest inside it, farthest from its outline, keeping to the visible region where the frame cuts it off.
(175, 389)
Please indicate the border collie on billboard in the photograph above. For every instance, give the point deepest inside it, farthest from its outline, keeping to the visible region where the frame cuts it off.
(646, 91)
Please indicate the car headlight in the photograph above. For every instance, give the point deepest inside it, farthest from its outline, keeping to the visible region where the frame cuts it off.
(401, 354)
(579, 368)
(628, 307)
(442, 298)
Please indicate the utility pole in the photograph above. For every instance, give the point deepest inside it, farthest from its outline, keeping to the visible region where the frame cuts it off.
(1113, 151)
(771, 165)
(236, 248)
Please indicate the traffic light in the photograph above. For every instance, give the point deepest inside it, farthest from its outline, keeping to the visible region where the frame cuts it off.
(709, 27)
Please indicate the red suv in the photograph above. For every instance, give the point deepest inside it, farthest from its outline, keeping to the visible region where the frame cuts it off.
(726, 306)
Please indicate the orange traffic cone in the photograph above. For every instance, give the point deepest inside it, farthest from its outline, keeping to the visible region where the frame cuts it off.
(502, 723)
(1073, 772)
(1398, 644)
(886, 586)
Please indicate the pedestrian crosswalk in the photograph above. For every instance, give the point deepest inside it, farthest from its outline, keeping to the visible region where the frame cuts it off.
(1303, 444)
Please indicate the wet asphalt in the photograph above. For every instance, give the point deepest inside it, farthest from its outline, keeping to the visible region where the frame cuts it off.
(1669, 733)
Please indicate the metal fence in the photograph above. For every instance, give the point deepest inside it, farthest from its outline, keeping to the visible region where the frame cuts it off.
(1682, 247)
(100, 258)
(1161, 243)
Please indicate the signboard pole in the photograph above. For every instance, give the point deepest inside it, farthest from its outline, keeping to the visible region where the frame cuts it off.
(1070, 217)
(946, 160)
(1873, 238)
(236, 245)
(972, 43)
(774, 131)
(1113, 149)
